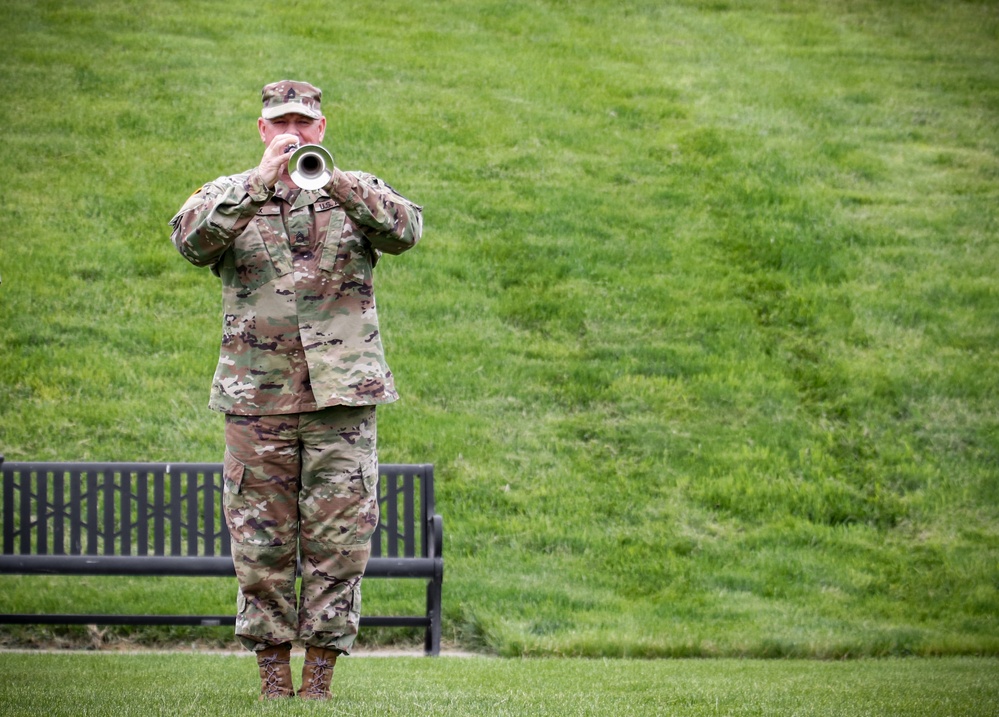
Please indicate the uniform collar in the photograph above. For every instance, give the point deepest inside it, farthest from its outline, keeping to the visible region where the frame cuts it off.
(297, 197)
(285, 193)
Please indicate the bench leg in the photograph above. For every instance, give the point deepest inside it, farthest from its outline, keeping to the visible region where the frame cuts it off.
(432, 638)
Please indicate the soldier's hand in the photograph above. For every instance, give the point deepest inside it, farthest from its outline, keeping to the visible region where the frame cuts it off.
(275, 158)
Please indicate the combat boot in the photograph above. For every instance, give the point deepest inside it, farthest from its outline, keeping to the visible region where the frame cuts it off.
(317, 673)
(275, 672)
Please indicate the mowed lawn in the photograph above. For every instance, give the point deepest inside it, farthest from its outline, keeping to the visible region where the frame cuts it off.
(702, 338)
(119, 685)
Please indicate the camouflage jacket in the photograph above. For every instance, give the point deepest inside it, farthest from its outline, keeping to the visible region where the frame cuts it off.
(300, 329)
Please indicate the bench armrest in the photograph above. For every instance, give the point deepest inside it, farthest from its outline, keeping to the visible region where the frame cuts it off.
(435, 544)
(435, 530)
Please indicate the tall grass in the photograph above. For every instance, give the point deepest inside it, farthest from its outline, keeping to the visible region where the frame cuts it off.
(701, 337)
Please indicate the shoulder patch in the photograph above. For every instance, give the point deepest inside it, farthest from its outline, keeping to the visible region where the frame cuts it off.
(194, 200)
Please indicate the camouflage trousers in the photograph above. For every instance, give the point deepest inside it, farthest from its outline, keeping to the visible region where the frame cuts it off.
(301, 486)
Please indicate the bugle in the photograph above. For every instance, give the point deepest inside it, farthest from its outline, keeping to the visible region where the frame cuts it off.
(311, 166)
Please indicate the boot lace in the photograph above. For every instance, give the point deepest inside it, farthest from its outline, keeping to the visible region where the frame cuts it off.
(322, 672)
(273, 686)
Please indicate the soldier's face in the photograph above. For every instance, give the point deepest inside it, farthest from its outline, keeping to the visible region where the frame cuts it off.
(308, 130)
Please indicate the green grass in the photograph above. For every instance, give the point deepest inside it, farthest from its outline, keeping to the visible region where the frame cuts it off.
(190, 684)
(702, 337)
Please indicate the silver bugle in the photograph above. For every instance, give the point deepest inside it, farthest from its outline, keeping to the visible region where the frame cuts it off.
(311, 166)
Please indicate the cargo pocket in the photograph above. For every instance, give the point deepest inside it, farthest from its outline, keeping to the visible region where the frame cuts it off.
(241, 603)
(335, 622)
(232, 474)
(340, 509)
(367, 515)
(233, 503)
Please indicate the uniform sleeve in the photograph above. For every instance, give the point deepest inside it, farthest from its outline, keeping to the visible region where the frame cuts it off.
(211, 219)
(390, 222)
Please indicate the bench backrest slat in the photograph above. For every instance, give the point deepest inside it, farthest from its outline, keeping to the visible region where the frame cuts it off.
(401, 532)
(392, 524)
(428, 507)
(409, 502)
(167, 509)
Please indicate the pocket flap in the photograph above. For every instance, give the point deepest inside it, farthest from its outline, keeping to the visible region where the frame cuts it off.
(331, 245)
(232, 473)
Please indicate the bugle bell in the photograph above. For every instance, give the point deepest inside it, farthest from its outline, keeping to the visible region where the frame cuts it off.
(311, 166)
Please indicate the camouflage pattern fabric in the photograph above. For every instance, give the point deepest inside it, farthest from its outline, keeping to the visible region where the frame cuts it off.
(307, 484)
(291, 96)
(300, 370)
(300, 329)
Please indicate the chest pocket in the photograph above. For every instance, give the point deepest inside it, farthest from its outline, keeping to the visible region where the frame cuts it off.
(261, 253)
(346, 252)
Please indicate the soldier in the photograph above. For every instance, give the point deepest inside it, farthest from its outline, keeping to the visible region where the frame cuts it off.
(300, 371)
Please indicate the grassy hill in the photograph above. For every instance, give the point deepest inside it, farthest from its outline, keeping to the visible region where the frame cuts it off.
(702, 336)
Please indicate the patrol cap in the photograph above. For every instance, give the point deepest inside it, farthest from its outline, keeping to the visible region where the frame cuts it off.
(291, 97)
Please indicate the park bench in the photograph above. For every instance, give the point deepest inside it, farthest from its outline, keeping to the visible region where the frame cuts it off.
(156, 519)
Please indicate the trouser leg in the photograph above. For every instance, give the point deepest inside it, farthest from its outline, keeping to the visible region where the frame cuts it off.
(338, 510)
(261, 485)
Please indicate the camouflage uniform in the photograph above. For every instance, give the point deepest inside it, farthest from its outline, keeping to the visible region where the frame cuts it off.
(301, 482)
(300, 371)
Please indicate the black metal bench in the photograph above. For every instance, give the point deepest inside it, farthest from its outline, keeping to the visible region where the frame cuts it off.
(153, 519)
